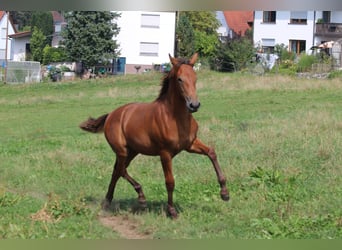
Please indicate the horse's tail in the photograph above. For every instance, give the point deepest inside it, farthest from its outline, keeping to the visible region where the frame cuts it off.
(94, 125)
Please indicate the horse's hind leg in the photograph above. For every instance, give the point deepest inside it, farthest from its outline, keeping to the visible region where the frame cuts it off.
(134, 183)
(199, 148)
(118, 171)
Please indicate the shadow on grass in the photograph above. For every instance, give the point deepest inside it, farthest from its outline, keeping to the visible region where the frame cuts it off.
(132, 206)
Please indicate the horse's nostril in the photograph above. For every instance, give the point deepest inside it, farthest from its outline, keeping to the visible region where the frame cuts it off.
(195, 105)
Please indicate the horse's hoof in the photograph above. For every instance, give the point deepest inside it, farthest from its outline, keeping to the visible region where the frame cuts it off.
(225, 196)
(105, 204)
(142, 203)
(172, 212)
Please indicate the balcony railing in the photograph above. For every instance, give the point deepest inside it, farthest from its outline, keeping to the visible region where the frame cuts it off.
(329, 29)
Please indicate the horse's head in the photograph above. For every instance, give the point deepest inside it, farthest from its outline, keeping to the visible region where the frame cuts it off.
(185, 78)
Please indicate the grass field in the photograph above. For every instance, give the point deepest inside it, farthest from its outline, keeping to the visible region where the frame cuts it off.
(278, 140)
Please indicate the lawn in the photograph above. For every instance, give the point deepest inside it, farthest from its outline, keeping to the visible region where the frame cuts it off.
(278, 140)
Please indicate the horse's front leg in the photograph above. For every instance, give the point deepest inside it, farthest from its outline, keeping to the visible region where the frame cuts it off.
(166, 160)
(199, 147)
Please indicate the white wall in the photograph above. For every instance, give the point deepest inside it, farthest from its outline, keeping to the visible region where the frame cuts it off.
(19, 47)
(282, 31)
(3, 25)
(336, 17)
(131, 34)
(223, 29)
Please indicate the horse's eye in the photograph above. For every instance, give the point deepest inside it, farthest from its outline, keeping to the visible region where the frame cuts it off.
(180, 80)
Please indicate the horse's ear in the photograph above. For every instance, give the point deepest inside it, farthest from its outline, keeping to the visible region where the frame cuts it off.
(173, 60)
(193, 59)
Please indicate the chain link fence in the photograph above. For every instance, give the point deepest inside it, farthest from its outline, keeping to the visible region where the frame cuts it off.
(20, 72)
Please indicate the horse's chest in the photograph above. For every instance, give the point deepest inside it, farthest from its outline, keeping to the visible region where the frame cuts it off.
(181, 136)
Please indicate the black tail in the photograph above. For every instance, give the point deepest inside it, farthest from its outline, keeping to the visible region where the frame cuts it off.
(94, 125)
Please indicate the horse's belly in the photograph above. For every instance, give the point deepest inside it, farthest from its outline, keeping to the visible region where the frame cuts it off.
(153, 144)
(148, 130)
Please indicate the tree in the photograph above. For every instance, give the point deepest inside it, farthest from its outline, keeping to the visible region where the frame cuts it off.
(235, 54)
(22, 19)
(89, 36)
(37, 44)
(204, 21)
(205, 25)
(44, 22)
(185, 36)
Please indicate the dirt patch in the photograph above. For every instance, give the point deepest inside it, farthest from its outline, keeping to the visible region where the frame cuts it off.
(42, 215)
(126, 227)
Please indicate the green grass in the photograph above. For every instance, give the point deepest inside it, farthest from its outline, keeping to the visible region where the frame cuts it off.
(278, 140)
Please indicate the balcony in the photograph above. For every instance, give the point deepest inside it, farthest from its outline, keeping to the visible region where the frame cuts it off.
(329, 29)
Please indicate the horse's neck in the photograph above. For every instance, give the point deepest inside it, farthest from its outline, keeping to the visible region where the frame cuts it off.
(176, 104)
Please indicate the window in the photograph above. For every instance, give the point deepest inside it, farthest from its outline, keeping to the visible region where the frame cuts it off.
(269, 17)
(58, 28)
(149, 49)
(326, 16)
(150, 21)
(27, 52)
(297, 46)
(267, 45)
(298, 17)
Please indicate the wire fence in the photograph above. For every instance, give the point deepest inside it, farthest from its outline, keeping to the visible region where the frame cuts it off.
(20, 72)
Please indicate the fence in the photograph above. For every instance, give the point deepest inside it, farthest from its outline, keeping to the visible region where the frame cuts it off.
(20, 72)
(336, 52)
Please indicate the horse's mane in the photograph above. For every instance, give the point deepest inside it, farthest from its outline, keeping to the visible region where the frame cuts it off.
(168, 75)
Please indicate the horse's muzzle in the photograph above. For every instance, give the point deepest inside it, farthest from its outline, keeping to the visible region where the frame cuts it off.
(193, 106)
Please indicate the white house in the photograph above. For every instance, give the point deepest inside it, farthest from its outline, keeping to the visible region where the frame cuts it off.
(20, 45)
(294, 29)
(6, 28)
(145, 39)
(299, 30)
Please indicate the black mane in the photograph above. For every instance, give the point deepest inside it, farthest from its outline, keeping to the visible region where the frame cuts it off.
(167, 76)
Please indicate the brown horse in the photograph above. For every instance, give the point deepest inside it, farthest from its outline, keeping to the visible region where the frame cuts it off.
(162, 128)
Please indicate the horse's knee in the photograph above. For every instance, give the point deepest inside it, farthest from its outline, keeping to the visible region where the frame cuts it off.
(170, 185)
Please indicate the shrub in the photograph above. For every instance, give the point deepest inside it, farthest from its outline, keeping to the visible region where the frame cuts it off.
(51, 54)
(335, 74)
(284, 55)
(305, 62)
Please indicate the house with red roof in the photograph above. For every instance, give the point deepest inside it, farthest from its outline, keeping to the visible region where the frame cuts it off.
(234, 23)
